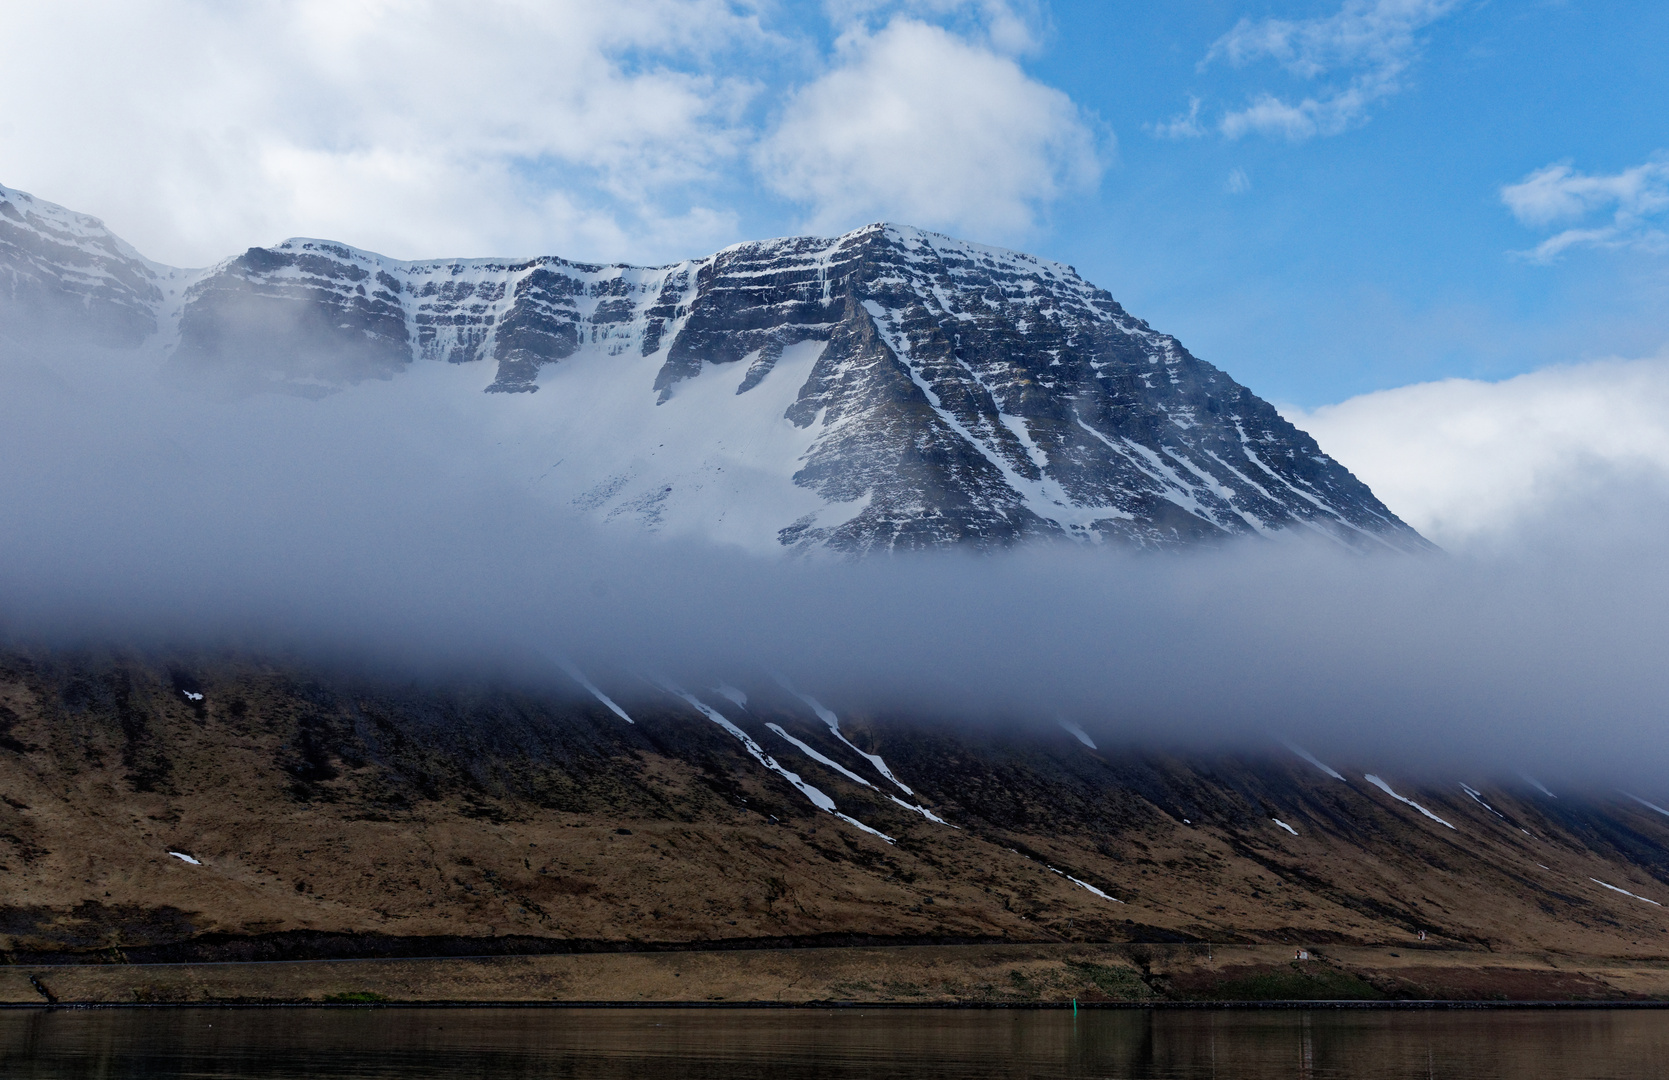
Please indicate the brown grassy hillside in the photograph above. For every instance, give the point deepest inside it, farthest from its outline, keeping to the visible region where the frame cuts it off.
(338, 816)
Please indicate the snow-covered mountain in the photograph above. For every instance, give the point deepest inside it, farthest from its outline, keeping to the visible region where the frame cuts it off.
(886, 389)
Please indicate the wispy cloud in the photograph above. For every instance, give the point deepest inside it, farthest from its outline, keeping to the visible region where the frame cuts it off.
(1357, 56)
(1181, 126)
(1635, 199)
(1010, 26)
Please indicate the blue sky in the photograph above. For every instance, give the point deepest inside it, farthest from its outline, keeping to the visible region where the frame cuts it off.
(1357, 231)
(1320, 267)
(1381, 255)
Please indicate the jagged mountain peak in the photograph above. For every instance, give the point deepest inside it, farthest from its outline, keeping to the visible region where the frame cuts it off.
(889, 388)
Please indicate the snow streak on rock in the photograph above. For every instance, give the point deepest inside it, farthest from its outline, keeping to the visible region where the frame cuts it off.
(1648, 805)
(1311, 758)
(812, 753)
(1386, 788)
(1084, 885)
(575, 674)
(833, 722)
(923, 811)
(1477, 797)
(816, 795)
(1078, 733)
(1625, 892)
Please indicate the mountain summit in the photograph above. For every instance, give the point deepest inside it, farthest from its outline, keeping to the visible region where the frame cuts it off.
(889, 389)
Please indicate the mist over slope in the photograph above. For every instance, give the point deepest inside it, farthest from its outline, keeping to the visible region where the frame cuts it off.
(410, 519)
(380, 523)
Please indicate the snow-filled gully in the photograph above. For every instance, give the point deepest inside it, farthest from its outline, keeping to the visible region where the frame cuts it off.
(818, 798)
(1625, 892)
(814, 754)
(1478, 798)
(1080, 884)
(1386, 788)
(574, 673)
(833, 723)
(1313, 760)
(822, 759)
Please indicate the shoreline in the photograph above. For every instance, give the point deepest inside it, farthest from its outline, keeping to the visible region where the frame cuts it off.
(1432, 1005)
(1011, 976)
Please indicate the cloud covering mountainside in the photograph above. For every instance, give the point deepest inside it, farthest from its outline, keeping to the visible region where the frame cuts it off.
(399, 521)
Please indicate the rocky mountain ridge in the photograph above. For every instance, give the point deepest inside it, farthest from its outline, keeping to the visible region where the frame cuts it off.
(888, 389)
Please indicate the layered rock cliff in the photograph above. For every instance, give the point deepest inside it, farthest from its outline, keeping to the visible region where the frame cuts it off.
(889, 389)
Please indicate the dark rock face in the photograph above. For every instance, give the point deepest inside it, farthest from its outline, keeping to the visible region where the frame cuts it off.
(960, 393)
(977, 394)
(329, 312)
(64, 273)
(312, 315)
(542, 326)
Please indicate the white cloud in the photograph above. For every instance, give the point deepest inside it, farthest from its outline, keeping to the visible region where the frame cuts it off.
(925, 126)
(1370, 43)
(1558, 193)
(1010, 26)
(638, 129)
(418, 128)
(1238, 182)
(1466, 461)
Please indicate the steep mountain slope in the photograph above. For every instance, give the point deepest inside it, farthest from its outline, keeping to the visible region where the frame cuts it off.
(887, 389)
(65, 275)
(317, 814)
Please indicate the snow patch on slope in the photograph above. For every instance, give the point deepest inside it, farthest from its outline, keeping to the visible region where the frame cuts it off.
(1078, 733)
(1386, 788)
(574, 673)
(818, 798)
(1625, 892)
(1311, 758)
(833, 723)
(812, 753)
(1650, 805)
(1081, 884)
(707, 461)
(1478, 798)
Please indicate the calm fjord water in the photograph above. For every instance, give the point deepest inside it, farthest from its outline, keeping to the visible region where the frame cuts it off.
(831, 1045)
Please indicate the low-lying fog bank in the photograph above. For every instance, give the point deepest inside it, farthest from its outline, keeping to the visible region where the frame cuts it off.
(391, 524)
